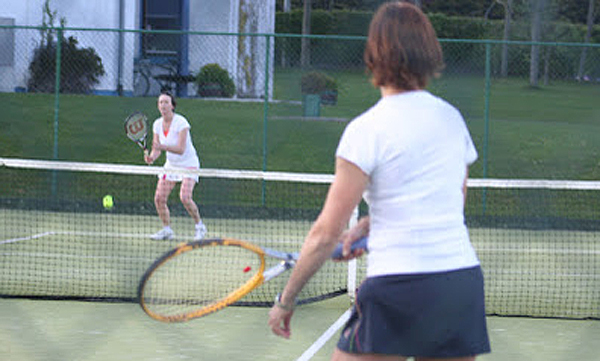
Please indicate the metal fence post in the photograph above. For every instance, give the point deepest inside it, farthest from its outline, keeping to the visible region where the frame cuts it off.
(59, 37)
(488, 55)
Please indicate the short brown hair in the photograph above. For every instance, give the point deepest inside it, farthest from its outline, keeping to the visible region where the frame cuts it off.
(402, 48)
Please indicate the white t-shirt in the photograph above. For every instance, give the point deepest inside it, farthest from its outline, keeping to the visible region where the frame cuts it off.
(189, 158)
(415, 148)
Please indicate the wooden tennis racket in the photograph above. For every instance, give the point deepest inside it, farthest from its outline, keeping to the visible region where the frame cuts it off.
(136, 128)
(199, 278)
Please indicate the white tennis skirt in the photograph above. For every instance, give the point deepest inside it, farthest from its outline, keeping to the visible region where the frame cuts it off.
(178, 176)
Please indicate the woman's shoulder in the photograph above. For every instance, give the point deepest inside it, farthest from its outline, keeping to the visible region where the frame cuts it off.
(181, 120)
(157, 122)
(368, 114)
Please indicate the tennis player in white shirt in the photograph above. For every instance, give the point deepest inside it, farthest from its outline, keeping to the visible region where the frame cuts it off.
(408, 156)
(172, 135)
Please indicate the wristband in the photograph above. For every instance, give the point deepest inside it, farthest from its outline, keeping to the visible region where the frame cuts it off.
(283, 306)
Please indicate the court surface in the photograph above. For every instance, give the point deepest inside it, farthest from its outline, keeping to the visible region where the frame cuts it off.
(542, 268)
(88, 331)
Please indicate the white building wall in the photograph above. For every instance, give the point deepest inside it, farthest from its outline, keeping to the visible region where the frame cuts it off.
(21, 13)
(221, 16)
(214, 17)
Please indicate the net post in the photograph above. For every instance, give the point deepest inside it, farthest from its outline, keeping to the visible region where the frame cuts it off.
(352, 268)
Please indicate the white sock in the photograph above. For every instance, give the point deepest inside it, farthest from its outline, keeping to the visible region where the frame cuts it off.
(199, 225)
(167, 228)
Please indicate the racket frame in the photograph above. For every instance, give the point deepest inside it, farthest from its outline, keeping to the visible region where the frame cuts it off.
(288, 261)
(261, 276)
(141, 141)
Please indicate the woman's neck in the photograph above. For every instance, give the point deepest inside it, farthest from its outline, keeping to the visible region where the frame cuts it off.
(168, 117)
(389, 90)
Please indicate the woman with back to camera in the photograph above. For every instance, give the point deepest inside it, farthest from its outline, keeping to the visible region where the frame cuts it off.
(172, 135)
(409, 155)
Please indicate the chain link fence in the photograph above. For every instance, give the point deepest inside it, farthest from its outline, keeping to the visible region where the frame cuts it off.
(280, 102)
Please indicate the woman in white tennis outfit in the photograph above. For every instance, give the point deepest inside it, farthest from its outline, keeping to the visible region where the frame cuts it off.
(172, 135)
(408, 156)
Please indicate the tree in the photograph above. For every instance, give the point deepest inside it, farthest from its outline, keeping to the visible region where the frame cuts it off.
(305, 45)
(575, 11)
(588, 35)
(543, 13)
(81, 67)
(508, 8)
(536, 35)
(538, 15)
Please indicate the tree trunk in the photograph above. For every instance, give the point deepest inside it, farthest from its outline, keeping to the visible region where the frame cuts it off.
(588, 35)
(305, 47)
(287, 7)
(547, 56)
(507, 23)
(536, 36)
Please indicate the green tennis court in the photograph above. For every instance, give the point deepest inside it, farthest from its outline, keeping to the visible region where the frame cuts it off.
(61, 330)
(544, 273)
(539, 243)
(88, 331)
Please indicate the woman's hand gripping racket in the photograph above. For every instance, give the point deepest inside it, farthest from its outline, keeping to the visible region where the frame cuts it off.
(136, 128)
(198, 278)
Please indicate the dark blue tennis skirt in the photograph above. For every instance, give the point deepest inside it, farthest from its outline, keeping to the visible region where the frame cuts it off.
(428, 315)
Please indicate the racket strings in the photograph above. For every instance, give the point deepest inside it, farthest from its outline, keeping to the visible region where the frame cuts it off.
(136, 127)
(206, 277)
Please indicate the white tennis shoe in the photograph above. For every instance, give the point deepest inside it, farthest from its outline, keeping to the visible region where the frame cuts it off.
(200, 232)
(163, 234)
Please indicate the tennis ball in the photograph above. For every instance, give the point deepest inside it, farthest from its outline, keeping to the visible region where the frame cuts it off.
(107, 201)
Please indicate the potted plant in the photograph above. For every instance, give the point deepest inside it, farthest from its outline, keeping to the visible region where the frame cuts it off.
(214, 81)
(316, 82)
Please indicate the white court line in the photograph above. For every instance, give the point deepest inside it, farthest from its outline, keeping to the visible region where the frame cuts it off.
(39, 235)
(322, 340)
(74, 256)
(538, 274)
(537, 250)
(102, 234)
(76, 233)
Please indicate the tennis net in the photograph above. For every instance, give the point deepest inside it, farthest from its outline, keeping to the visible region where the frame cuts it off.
(538, 241)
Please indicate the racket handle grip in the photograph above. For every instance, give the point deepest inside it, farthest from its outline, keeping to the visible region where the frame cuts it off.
(360, 244)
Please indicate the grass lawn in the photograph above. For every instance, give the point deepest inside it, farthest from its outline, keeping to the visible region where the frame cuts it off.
(551, 132)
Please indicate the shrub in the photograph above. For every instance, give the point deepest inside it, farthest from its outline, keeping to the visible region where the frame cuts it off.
(80, 68)
(316, 82)
(214, 81)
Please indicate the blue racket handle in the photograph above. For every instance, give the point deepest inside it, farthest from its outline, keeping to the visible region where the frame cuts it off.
(360, 244)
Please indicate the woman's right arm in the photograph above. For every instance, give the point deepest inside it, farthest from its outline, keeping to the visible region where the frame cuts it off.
(153, 156)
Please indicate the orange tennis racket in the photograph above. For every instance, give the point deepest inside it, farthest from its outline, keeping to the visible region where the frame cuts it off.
(199, 278)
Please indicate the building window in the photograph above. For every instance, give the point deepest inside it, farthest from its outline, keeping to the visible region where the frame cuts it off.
(161, 15)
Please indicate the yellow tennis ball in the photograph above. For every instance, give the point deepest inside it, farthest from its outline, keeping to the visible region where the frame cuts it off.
(107, 201)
